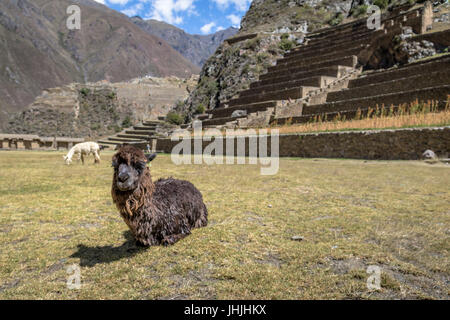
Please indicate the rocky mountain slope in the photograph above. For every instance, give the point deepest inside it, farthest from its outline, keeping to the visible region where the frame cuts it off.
(38, 51)
(97, 109)
(277, 26)
(195, 48)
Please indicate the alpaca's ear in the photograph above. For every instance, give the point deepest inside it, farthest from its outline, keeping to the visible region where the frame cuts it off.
(150, 157)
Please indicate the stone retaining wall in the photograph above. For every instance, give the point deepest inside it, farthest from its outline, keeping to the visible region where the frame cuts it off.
(34, 142)
(428, 66)
(399, 144)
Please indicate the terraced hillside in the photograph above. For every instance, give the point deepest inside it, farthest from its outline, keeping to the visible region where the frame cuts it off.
(99, 109)
(331, 74)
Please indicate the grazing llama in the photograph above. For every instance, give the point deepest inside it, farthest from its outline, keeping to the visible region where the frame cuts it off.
(156, 213)
(83, 149)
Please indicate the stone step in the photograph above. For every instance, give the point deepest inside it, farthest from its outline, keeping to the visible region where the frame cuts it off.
(425, 94)
(219, 121)
(431, 79)
(358, 25)
(146, 128)
(350, 61)
(350, 39)
(331, 116)
(318, 81)
(337, 71)
(335, 48)
(341, 115)
(347, 34)
(294, 93)
(109, 143)
(117, 139)
(250, 108)
(437, 64)
(152, 122)
(148, 132)
(351, 30)
(345, 42)
(203, 116)
(323, 33)
(133, 136)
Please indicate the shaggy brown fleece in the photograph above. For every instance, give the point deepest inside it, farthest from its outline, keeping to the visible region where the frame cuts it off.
(156, 213)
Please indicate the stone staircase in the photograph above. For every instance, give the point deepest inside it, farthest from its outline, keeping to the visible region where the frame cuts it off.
(139, 134)
(323, 77)
(422, 81)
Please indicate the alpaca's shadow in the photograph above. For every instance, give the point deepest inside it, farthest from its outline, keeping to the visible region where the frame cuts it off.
(90, 256)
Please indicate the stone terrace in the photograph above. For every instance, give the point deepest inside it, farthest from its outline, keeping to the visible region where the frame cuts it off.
(325, 77)
(137, 134)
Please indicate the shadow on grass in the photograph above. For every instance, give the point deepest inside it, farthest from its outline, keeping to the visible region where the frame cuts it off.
(90, 256)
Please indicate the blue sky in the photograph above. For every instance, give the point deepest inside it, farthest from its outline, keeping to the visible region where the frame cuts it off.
(193, 16)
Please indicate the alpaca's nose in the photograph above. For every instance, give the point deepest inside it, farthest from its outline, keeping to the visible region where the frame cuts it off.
(123, 177)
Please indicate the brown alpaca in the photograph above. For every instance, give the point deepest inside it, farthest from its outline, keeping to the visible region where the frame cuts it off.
(156, 213)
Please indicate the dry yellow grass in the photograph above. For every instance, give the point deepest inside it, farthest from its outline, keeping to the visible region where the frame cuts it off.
(352, 214)
(406, 116)
(399, 121)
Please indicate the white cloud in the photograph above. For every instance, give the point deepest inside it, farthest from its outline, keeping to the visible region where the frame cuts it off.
(100, 1)
(133, 10)
(167, 10)
(240, 5)
(120, 2)
(235, 20)
(207, 28)
(219, 28)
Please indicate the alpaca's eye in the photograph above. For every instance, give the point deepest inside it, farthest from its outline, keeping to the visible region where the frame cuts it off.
(114, 164)
(140, 166)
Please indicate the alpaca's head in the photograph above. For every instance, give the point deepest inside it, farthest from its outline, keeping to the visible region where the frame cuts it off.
(67, 160)
(130, 166)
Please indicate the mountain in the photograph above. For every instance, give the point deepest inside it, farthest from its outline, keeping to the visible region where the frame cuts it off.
(38, 51)
(195, 48)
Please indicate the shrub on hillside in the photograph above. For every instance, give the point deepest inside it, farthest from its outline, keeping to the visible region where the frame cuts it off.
(360, 11)
(174, 118)
(200, 109)
(126, 123)
(286, 44)
(336, 20)
(85, 91)
(381, 3)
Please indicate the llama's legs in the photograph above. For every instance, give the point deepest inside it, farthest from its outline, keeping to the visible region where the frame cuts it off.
(169, 240)
(140, 244)
(97, 157)
(82, 158)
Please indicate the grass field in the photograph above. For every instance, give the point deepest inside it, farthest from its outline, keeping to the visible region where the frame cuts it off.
(351, 214)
